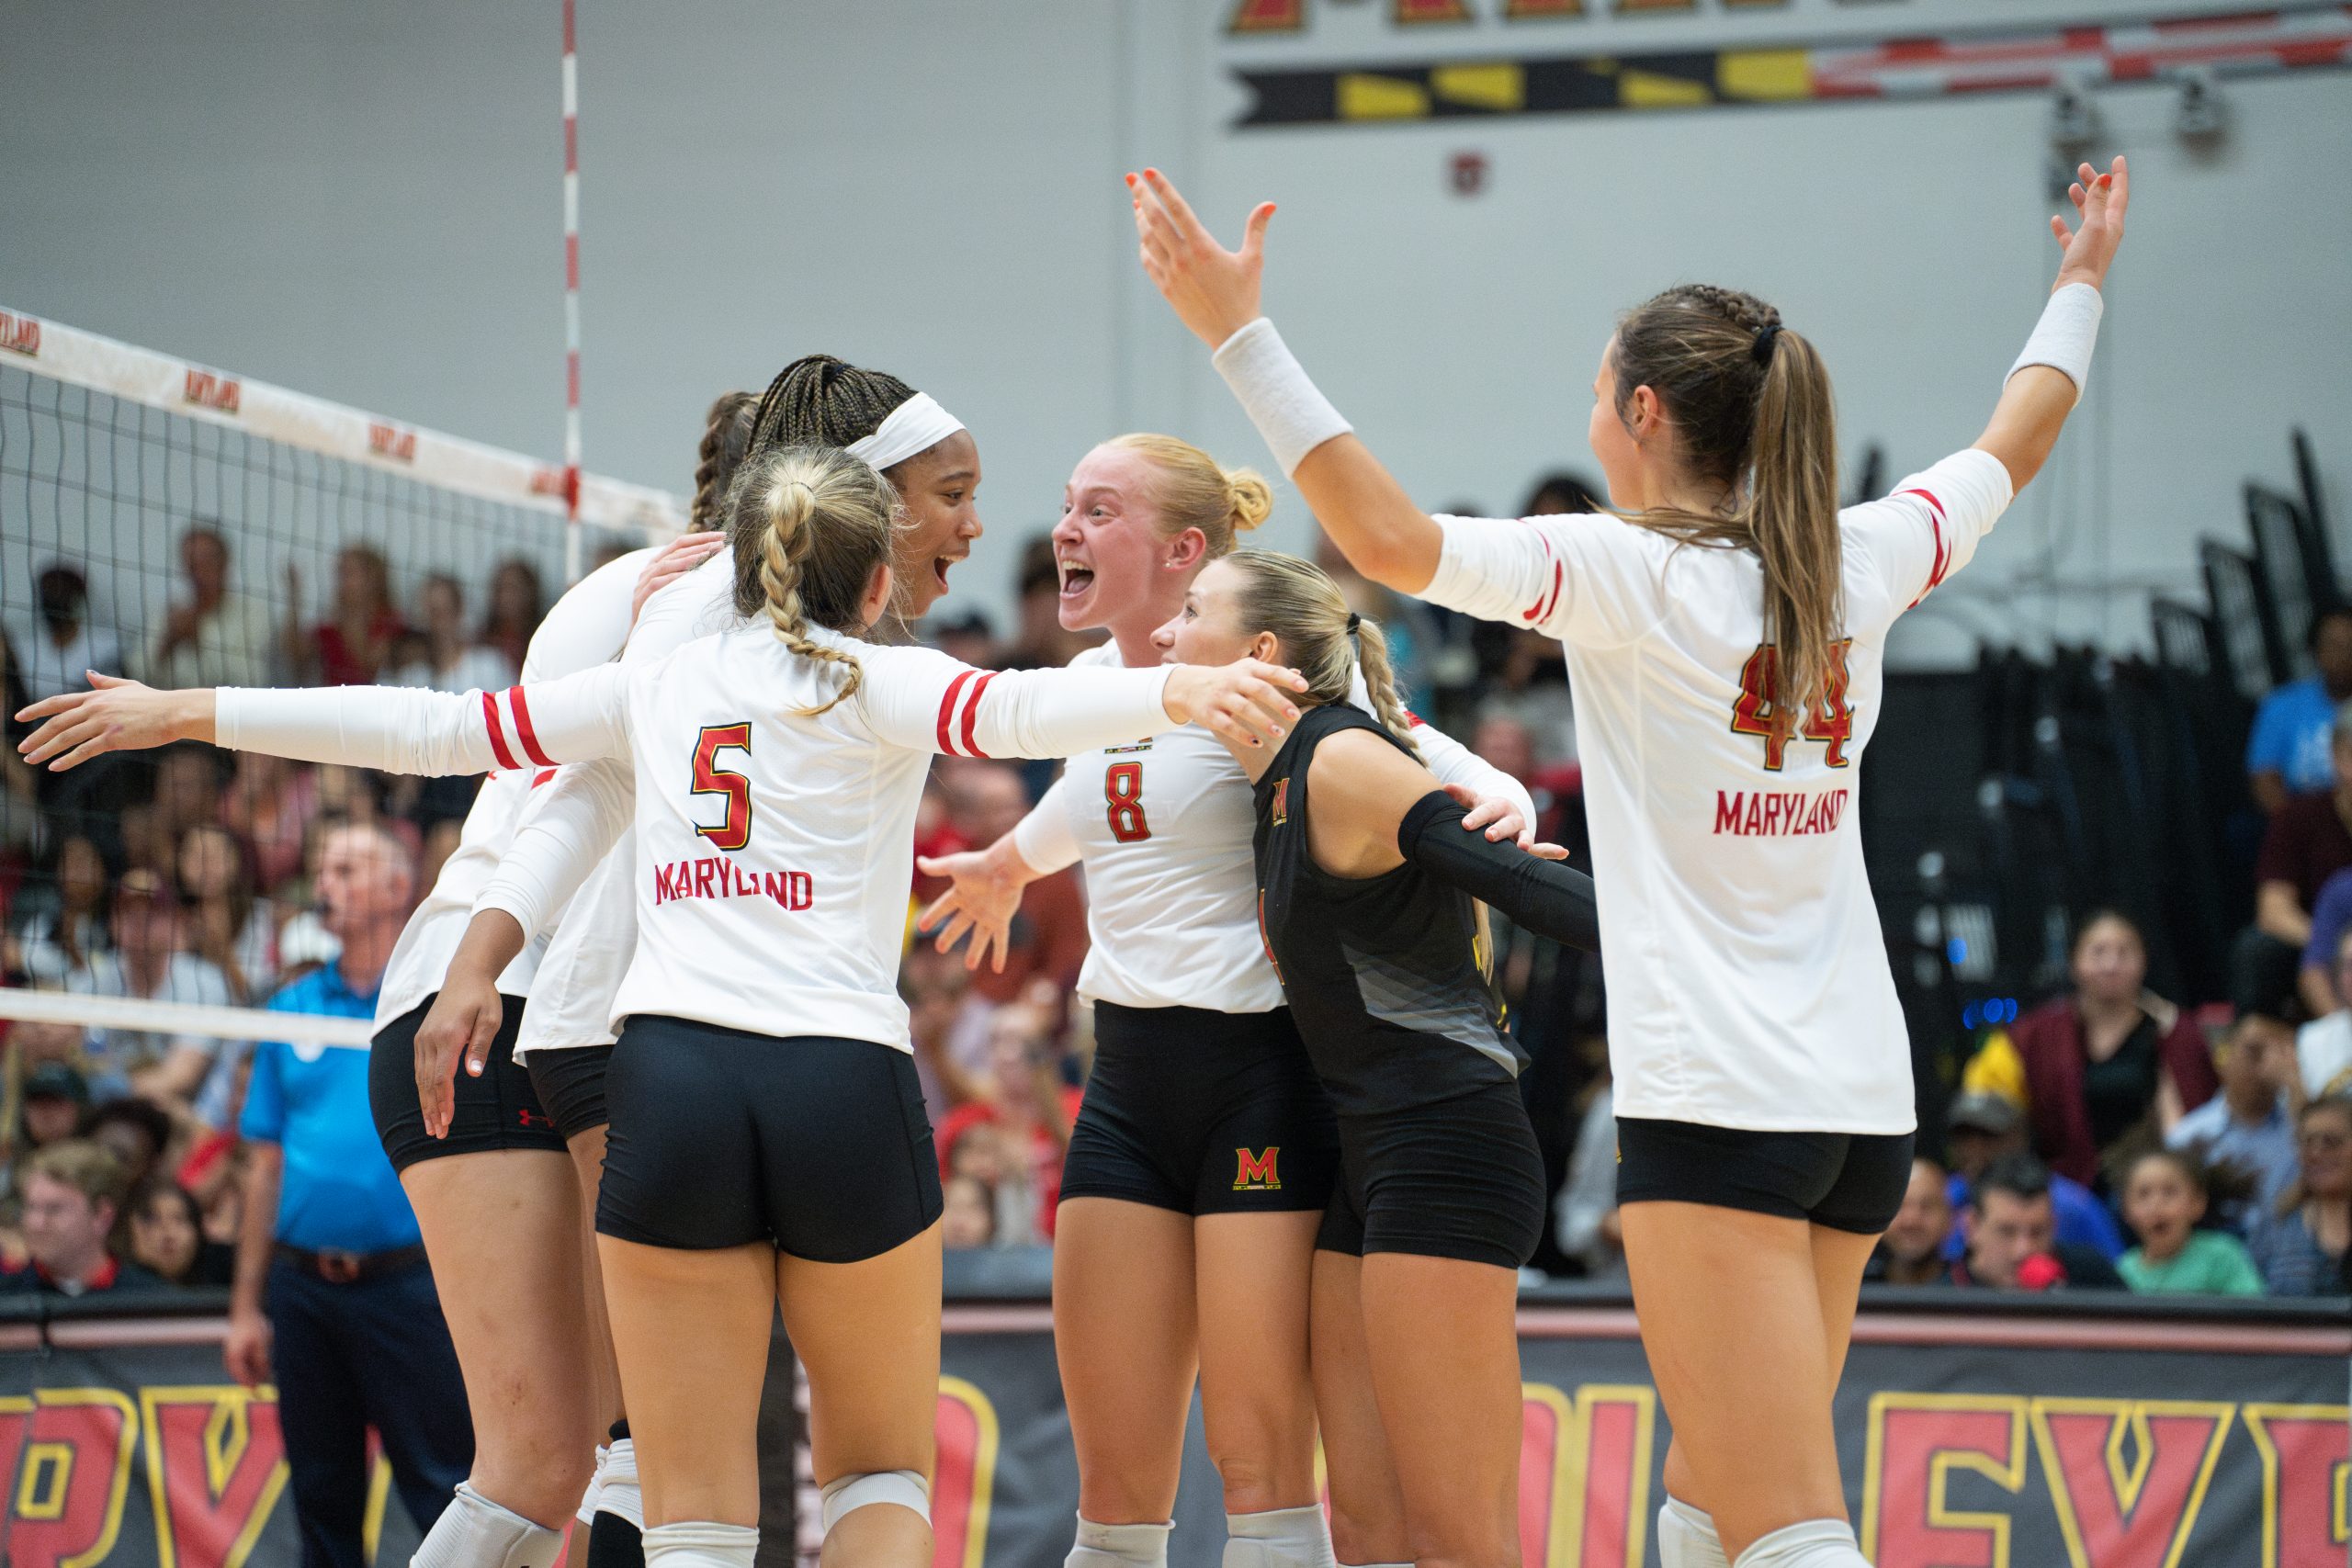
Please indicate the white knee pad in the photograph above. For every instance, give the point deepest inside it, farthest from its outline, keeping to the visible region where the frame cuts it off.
(701, 1544)
(586, 1513)
(1119, 1546)
(1687, 1539)
(1278, 1538)
(905, 1487)
(474, 1532)
(616, 1490)
(1813, 1543)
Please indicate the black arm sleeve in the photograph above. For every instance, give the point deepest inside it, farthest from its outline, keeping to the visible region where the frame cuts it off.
(1541, 895)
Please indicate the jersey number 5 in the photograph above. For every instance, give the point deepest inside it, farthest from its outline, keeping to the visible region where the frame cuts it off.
(712, 779)
(1759, 712)
(1123, 803)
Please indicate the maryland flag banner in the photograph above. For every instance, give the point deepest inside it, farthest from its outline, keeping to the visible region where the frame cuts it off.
(2005, 60)
(1969, 1439)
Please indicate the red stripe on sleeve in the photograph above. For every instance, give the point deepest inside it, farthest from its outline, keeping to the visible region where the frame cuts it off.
(1942, 564)
(972, 713)
(1535, 611)
(543, 775)
(522, 728)
(947, 714)
(1559, 581)
(497, 736)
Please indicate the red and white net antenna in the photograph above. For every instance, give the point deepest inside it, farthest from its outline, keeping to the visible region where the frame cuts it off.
(571, 551)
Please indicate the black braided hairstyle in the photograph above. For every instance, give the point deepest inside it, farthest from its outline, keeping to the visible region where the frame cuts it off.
(725, 441)
(816, 400)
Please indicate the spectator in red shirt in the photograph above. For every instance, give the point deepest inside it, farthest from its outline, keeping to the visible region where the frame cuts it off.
(1049, 939)
(1026, 1113)
(351, 646)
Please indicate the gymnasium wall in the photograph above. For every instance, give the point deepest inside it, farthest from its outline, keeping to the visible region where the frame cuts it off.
(362, 202)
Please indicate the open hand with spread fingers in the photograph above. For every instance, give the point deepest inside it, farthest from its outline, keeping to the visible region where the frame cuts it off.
(1214, 290)
(2099, 201)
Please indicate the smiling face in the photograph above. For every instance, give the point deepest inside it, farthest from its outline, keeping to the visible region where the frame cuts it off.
(1208, 629)
(939, 489)
(1107, 546)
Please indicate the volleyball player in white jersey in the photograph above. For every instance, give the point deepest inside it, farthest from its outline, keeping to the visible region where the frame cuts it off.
(1725, 633)
(778, 768)
(1203, 1155)
(565, 1039)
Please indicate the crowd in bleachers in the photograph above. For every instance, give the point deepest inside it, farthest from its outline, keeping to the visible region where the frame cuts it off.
(2108, 1138)
(187, 876)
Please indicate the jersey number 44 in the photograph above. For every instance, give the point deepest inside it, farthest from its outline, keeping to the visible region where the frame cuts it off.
(1757, 711)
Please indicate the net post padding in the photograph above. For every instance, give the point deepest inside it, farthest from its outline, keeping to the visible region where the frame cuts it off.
(218, 397)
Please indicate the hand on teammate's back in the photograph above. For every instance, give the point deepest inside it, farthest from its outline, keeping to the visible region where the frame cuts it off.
(2099, 200)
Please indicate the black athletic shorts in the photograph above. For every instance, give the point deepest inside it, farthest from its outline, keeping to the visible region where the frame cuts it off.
(720, 1137)
(571, 1084)
(1457, 1178)
(1848, 1181)
(497, 1111)
(1202, 1112)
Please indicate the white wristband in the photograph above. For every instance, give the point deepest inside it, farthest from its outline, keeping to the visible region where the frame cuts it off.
(2064, 336)
(1281, 402)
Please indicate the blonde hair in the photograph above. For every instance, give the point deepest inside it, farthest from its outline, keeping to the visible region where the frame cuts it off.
(1320, 636)
(1751, 404)
(85, 1165)
(807, 525)
(1192, 491)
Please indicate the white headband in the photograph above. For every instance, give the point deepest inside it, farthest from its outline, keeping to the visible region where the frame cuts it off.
(916, 425)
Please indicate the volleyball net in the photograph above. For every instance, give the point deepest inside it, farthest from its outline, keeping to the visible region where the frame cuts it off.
(185, 525)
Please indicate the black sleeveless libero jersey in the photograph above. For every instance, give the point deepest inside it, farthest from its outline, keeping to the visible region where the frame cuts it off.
(1387, 976)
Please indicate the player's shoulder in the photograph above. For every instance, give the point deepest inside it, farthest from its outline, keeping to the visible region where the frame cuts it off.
(1103, 655)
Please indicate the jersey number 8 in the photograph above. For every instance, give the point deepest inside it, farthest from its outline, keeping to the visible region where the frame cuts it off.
(735, 831)
(1756, 710)
(1123, 803)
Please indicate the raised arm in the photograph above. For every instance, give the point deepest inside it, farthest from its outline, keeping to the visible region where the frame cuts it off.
(925, 701)
(2047, 380)
(394, 730)
(1215, 292)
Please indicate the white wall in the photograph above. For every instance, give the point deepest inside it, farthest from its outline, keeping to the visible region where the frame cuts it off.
(362, 202)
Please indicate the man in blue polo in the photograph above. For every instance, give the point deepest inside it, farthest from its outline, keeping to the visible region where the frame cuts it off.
(331, 1287)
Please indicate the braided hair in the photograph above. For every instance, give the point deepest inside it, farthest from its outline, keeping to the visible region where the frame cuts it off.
(1751, 405)
(1320, 636)
(809, 525)
(816, 400)
(725, 441)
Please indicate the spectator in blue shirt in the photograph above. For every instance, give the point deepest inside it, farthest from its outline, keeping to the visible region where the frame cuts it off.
(2247, 1127)
(2288, 751)
(331, 1286)
(1982, 1128)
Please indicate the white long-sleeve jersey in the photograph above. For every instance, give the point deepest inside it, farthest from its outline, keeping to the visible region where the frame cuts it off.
(774, 848)
(1747, 978)
(583, 630)
(573, 866)
(1164, 826)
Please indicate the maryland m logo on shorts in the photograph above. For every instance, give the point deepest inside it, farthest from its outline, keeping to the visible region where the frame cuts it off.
(1256, 1172)
(1281, 801)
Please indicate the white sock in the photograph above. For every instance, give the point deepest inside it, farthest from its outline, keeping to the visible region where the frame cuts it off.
(1686, 1537)
(1119, 1546)
(1813, 1543)
(1278, 1538)
(587, 1512)
(617, 1485)
(474, 1532)
(701, 1544)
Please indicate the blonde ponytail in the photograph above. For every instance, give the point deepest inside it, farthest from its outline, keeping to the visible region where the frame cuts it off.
(1320, 636)
(1192, 491)
(809, 524)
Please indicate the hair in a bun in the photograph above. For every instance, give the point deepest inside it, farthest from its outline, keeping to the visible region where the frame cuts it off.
(1194, 492)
